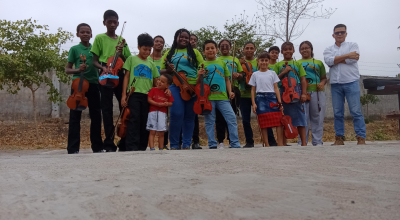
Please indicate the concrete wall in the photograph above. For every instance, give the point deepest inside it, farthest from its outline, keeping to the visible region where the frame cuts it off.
(19, 107)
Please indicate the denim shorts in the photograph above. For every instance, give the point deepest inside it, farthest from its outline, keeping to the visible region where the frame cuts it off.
(297, 112)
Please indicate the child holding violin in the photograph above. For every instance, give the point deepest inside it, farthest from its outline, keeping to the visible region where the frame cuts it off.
(235, 70)
(245, 103)
(266, 99)
(142, 75)
(295, 109)
(316, 80)
(157, 118)
(104, 46)
(75, 55)
(216, 75)
(185, 60)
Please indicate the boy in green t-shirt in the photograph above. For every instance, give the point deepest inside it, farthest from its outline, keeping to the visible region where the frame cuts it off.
(216, 75)
(294, 109)
(274, 54)
(84, 32)
(104, 46)
(142, 75)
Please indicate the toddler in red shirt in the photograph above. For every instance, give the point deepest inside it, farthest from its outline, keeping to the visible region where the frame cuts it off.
(159, 103)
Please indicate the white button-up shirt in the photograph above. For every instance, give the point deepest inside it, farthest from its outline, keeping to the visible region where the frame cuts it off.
(342, 73)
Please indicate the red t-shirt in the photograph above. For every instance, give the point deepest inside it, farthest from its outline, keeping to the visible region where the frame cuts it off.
(159, 97)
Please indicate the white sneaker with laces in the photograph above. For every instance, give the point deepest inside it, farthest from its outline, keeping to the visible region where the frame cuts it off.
(221, 146)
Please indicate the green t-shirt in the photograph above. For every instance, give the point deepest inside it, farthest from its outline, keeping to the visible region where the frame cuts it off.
(311, 66)
(142, 73)
(237, 68)
(216, 71)
(104, 47)
(296, 66)
(156, 62)
(271, 67)
(91, 73)
(181, 60)
(245, 90)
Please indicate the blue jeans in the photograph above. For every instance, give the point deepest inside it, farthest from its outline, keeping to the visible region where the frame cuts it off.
(245, 109)
(181, 118)
(350, 91)
(226, 110)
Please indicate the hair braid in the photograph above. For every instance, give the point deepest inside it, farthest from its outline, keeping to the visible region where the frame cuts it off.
(190, 51)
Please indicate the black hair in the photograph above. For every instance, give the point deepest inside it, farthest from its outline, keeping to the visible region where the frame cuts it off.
(195, 36)
(274, 48)
(339, 26)
(110, 13)
(310, 45)
(249, 42)
(159, 36)
(169, 78)
(145, 40)
(191, 54)
(209, 42)
(82, 25)
(229, 42)
(287, 43)
(263, 55)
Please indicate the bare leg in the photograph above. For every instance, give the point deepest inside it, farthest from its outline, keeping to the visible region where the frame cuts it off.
(151, 138)
(279, 134)
(160, 140)
(264, 132)
(302, 132)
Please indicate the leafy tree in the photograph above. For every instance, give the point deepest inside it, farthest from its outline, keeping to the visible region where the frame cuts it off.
(367, 99)
(279, 17)
(240, 29)
(28, 53)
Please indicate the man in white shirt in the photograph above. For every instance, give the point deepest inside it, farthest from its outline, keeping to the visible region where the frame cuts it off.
(342, 58)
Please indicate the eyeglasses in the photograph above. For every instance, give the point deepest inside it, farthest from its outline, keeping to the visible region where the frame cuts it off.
(340, 33)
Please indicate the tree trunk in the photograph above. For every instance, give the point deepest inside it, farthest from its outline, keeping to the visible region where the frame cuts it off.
(34, 112)
(287, 21)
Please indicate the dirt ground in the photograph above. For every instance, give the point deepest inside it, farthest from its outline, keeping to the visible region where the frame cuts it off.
(329, 182)
(53, 133)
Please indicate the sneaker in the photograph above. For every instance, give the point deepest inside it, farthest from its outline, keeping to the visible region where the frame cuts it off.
(248, 146)
(339, 140)
(360, 140)
(100, 151)
(221, 146)
(196, 146)
(213, 147)
(151, 149)
(165, 147)
(273, 144)
(186, 148)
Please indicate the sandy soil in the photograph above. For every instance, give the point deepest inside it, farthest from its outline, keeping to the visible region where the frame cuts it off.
(330, 182)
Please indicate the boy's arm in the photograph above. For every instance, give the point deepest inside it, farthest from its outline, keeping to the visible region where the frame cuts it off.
(229, 88)
(253, 98)
(97, 64)
(124, 102)
(152, 102)
(70, 70)
(155, 81)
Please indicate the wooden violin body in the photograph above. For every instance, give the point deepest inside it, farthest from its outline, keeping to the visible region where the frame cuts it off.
(290, 131)
(202, 106)
(289, 95)
(77, 101)
(125, 116)
(248, 70)
(180, 80)
(114, 65)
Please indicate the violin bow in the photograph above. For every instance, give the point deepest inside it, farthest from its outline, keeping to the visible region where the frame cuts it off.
(233, 61)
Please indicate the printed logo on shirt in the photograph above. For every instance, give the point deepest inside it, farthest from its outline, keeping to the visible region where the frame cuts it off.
(292, 74)
(142, 71)
(310, 70)
(215, 78)
(182, 63)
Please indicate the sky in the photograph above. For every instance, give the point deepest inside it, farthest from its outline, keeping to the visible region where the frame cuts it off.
(373, 24)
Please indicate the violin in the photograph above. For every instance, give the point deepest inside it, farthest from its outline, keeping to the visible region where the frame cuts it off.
(114, 65)
(289, 95)
(77, 101)
(180, 80)
(124, 115)
(202, 106)
(248, 70)
(290, 131)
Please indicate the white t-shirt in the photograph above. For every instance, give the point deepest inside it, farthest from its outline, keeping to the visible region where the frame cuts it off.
(264, 81)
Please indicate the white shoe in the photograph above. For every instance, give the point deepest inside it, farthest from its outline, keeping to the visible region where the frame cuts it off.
(221, 146)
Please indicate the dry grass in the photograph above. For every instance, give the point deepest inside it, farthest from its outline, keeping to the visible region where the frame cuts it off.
(53, 133)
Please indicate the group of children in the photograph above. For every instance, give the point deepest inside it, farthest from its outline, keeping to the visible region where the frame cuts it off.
(150, 75)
